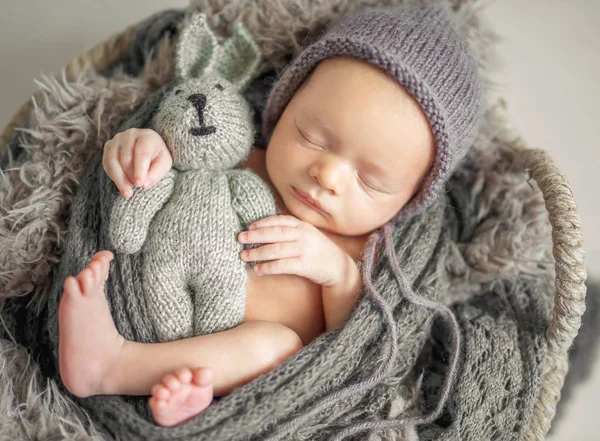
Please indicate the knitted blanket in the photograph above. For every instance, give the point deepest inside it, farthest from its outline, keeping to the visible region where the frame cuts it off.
(482, 249)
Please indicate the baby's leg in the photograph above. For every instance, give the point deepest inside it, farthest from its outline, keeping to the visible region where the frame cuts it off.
(95, 359)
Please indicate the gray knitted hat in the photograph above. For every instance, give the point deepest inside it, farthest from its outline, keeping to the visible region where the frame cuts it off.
(422, 48)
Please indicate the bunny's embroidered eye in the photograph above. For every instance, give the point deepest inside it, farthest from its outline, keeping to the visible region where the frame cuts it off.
(178, 91)
(219, 87)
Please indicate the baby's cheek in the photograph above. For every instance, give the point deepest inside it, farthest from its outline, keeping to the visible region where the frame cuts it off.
(354, 219)
(368, 216)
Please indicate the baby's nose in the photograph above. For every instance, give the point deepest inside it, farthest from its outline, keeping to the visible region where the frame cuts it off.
(331, 175)
(198, 100)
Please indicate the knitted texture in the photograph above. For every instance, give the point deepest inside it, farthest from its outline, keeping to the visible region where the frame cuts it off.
(200, 52)
(420, 46)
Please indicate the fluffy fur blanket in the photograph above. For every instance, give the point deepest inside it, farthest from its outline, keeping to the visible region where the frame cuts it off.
(497, 263)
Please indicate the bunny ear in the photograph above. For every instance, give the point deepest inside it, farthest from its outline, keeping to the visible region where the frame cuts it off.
(238, 57)
(197, 47)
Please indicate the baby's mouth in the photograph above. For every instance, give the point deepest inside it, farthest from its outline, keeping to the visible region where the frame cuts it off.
(306, 199)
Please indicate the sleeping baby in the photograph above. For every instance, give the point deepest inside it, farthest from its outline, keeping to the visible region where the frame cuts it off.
(363, 129)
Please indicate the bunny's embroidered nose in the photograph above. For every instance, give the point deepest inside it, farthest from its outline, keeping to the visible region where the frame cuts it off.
(198, 100)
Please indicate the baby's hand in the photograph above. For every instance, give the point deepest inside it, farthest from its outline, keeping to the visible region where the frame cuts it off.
(136, 157)
(294, 247)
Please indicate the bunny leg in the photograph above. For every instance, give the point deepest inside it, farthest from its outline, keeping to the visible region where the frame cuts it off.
(169, 301)
(219, 299)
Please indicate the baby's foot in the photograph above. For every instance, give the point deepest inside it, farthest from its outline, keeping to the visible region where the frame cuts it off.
(181, 396)
(89, 342)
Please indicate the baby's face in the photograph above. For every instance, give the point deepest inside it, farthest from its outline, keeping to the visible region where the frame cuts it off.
(355, 142)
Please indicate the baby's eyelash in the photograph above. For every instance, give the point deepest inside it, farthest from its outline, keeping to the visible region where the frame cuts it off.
(306, 139)
(369, 186)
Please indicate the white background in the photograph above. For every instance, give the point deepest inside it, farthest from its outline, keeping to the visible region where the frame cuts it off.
(549, 77)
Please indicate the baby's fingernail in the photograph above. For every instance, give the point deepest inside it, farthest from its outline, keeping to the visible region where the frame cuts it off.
(243, 236)
(252, 227)
(255, 268)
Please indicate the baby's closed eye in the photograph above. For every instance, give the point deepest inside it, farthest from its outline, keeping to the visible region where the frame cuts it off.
(369, 185)
(308, 138)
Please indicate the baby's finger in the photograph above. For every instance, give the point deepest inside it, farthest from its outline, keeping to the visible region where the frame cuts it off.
(126, 157)
(272, 252)
(272, 221)
(281, 266)
(158, 168)
(110, 153)
(117, 175)
(142, 156)
(270, 235)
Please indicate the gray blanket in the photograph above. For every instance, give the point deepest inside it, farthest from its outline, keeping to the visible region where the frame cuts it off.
(294, 392)
(339, 358)
(482, 249)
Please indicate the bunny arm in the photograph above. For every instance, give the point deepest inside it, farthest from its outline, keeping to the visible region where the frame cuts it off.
(131, 217)
(250, 196)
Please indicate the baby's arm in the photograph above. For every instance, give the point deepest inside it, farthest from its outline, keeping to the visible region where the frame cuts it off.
(339, 300)
(297, 247)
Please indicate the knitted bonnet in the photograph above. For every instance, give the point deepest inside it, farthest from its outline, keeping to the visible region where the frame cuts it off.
(422, 48)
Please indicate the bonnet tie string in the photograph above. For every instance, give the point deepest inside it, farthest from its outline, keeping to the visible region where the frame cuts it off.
(454, 330)
(374, 379)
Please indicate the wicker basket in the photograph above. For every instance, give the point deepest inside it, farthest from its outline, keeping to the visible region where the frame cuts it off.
(567, 239)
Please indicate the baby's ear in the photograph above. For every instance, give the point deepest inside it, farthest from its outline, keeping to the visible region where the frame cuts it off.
(238, 57)
(197, 47)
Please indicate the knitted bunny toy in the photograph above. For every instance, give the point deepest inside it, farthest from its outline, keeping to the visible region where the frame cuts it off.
(186, 225)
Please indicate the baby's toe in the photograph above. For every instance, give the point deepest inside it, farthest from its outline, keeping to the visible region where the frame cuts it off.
(171, 382)
(202, 376)
(71, 286)
(104, 256)
(96, 268)
(156, 403)
(155, 389)
(86, 280)
(160, 392)
(184, 375)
